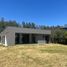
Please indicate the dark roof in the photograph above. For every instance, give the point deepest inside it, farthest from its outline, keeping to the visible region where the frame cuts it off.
(26, 30)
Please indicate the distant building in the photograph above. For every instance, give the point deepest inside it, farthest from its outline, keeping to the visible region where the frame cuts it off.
(65, 28)
(17, 35)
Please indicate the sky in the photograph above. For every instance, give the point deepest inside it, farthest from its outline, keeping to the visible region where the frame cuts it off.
(41, 12)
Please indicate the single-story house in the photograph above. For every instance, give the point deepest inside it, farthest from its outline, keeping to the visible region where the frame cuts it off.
(18, 35)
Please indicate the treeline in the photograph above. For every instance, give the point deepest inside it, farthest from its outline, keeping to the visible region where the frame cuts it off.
(4, 24)
(59, 33)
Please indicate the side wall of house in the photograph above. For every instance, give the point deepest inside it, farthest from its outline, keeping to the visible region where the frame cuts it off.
(10, 38)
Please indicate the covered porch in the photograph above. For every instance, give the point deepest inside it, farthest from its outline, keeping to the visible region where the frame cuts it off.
(23, 38)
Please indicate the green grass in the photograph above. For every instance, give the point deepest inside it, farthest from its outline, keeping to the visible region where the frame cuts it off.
(49, 55)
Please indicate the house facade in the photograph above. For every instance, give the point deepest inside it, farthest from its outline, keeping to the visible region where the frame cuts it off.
(17, 35)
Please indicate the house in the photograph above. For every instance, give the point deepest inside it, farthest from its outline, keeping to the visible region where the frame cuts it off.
(17, 35)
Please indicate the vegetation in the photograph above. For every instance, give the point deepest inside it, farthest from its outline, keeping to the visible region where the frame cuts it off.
(59, 36)
(33, 56)
(4, 24)
(59, 33)
(28, 25)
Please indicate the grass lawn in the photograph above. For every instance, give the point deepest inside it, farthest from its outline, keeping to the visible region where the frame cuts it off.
(49, 55)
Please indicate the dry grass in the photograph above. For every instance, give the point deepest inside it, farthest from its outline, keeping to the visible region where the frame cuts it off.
(52, 55)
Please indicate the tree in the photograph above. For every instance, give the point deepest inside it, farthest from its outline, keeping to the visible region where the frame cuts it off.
(33, 25)
(65, 37)
(4, 24)
(23, 24)
(59, 36)
(28, 25)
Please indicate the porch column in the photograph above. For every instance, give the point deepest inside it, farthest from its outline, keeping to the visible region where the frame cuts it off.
(30, 38)
(5, 40)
